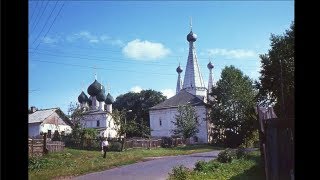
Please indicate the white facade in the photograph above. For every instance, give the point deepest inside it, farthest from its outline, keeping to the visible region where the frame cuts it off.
(46, 121)
(102, 121)
(161, 122)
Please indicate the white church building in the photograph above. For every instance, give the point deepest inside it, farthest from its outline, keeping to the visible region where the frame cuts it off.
(97, 110)
(192, 91)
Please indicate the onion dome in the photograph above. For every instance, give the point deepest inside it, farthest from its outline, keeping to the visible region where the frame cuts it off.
(210, 65)
(191, 37)
(101, 96)
(89, 102)
(109, 99)
(179, 69)
(95, 88)
(82, 97)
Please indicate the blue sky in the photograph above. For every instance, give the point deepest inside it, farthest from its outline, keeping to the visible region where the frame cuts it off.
(134, 45)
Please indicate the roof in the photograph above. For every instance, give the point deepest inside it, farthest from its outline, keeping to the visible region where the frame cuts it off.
(40, 115)
(182, 98)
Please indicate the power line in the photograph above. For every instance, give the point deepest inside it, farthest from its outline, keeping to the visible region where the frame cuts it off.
(34, 10)
(37, 22)
(51, 25)
(45, 23)
(37, 15)
(91, 67)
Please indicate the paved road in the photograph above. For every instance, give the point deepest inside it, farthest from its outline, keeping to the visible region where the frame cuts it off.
(156, 169)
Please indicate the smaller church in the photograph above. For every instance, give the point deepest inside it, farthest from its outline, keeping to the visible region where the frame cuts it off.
(192, 91)
(97, 110)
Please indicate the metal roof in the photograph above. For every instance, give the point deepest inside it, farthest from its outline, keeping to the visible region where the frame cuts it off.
(182, 98)
(40, 115)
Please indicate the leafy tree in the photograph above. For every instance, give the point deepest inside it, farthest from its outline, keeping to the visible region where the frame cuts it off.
(232, 111)
(139, 103)
(277, 75)
(186, 121)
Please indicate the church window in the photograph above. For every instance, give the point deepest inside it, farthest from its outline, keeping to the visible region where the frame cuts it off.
(160, 122)
(98, 123)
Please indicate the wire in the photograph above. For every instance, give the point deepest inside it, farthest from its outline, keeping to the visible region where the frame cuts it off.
(39, 18)
(45, 23)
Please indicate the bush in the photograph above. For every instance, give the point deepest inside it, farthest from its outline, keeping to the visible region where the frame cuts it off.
(179, 173)
(56, 136)
(226, 156)
(240, 153)
(251, 140)
(115, 146)
(203, 166)
(167, 142)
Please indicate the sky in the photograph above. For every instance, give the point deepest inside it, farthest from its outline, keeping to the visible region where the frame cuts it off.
(135, 45)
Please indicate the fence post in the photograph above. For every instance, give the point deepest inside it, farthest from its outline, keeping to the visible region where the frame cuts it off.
(31, 147)
(44, 143)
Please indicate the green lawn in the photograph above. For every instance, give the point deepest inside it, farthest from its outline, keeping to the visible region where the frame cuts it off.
(248, 168)
(73, 162)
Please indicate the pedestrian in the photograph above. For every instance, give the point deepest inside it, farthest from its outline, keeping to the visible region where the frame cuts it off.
(104, 147)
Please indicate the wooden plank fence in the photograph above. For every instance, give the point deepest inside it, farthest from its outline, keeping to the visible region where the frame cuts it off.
(150, 143)
(39, 147)
(276, 146)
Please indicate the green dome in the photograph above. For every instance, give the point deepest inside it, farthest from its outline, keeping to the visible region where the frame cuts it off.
(95, 88)
(101, 97)
(109, 99)
(82, 97)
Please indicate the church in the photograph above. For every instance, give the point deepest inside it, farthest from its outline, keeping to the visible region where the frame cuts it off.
(192, 91)
(97, 110)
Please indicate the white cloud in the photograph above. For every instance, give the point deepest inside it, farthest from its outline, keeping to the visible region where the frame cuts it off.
(136, 89)
(49, 40)
(232, 53)
(168, 92)
(145, 50)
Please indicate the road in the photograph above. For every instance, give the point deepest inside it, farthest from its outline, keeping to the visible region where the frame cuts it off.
(156, 169)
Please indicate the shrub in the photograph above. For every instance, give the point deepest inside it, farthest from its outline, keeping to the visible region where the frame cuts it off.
(251, 140)
(167, 142)
(115, 146)
(226, 156)
(179, 173)
(56, 136)
(240, 153)
(203, 166)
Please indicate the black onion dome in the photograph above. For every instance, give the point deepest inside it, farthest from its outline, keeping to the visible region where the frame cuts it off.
(109, 99)
(191, 37)
(89, 102)
(82, 97)
(210, 65)
(179, 69)
(101, 97)
(95, 88)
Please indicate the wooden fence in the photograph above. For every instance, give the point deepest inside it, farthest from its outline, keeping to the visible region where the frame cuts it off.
(150, 143)
(278, 149)
(35, 147)
(276, 145)
(39, 147)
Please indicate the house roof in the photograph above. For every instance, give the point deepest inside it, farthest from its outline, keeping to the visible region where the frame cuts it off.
(40, 115)
(182, 98)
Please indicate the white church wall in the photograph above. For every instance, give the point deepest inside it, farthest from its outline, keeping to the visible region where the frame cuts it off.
(53, 127)
(168, 115)
(105, 121)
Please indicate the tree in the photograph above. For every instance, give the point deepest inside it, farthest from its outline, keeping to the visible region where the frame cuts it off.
(232, 110)
(139, 103)
(277, 75)
(186, 121)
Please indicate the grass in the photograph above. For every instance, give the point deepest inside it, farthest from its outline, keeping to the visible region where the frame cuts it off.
(247, 168)
(74, 162)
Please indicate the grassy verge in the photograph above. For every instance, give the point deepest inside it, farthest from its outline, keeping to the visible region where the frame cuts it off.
(73, 162)
(248, 168)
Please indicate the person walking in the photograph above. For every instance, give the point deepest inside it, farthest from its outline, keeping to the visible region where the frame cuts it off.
(104, 146)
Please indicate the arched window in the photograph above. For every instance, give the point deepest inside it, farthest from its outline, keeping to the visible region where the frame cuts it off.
(160, 122)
